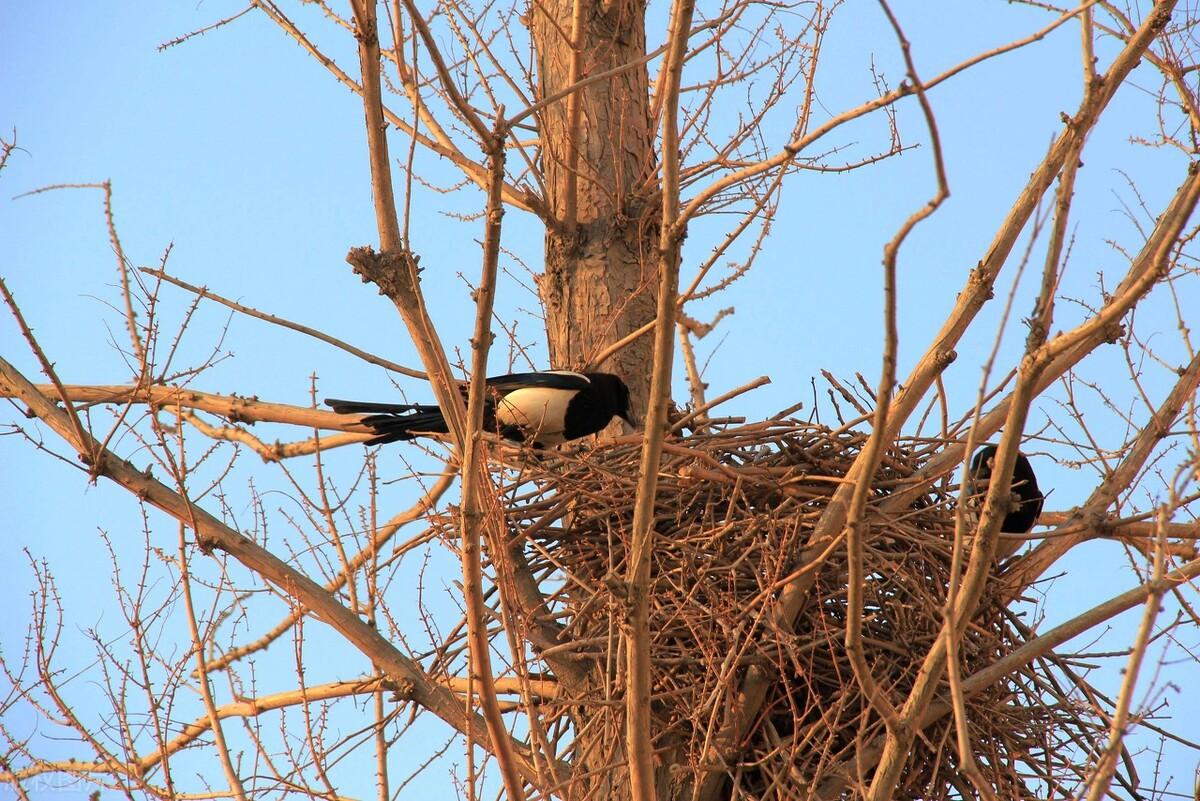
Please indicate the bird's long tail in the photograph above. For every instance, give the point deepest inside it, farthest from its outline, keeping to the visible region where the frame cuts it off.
(393, 422)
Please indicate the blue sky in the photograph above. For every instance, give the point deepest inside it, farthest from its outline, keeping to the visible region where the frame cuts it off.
(244, 157)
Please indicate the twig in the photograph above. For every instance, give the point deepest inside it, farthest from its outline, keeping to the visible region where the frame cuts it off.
(1107, 763)
(203, 292)
(475, 475)
(618, 346)
(380, 535)
(880, 427)
(273, 452)
(206, 29)
(869, 755)
(717, 401)
(696, 385)
(394, 691)
(199, 648)
(232, 407)
(790, 150)
(90, 456)
(212, 533)
(636, 632)
(448, 83)
(442, 146)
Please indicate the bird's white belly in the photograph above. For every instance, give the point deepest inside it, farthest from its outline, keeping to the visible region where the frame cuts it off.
(538, 411)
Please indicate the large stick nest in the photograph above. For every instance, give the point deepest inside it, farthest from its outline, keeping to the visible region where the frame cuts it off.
(735, 514)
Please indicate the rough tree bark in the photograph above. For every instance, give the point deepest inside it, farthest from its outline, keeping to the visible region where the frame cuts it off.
(601, 183)
(597, 152)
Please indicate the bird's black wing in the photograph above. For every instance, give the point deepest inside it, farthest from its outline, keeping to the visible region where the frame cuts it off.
(393, 422)
(549, 380)
(364, 407)
(502, 383)
(400, 427)
(1025, 507)
(1025, 487)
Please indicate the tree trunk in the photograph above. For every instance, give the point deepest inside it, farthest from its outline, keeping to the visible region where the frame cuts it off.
(601, 235)
(600, 280)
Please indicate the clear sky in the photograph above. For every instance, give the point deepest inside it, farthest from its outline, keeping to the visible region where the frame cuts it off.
(244, 158)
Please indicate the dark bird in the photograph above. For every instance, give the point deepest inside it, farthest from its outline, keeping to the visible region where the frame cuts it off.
(542, 408)
(1025, 499)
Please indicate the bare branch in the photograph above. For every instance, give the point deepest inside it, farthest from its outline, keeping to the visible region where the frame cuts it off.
(203, 292)
(637, 637)
(212, 533)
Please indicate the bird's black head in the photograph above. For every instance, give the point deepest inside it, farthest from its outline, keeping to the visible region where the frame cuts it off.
(985, 460)
(981, 465)
(615, 392)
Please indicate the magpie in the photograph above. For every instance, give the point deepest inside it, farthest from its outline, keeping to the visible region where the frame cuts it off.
(1025, 500)
(541, 408)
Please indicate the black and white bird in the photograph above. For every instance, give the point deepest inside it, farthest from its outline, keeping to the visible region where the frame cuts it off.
(1025, 499)
(540, 408)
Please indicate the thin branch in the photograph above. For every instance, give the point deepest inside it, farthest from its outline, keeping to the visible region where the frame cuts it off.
(574, 115)
(636, 633)
(475, 475)
(206, 29)
(696, 385)
(272, 452)
(380, 535)
(873, 451)
(1107, 763)
(254, 707)
(611, 350)
(700, 411)
(1090, 515)
(867, 756)
(90, 457)
(443, 146)
(249, 311)
(790, 150)
(214, 534)
(199, 648)
(234, 408)
(448, 84)
(395, 271)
